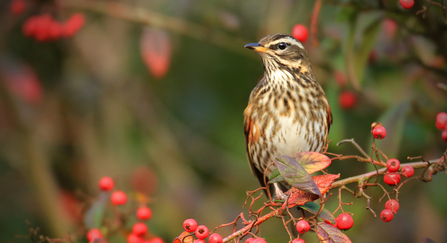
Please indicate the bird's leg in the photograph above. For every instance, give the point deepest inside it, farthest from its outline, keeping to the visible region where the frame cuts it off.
(279, 194)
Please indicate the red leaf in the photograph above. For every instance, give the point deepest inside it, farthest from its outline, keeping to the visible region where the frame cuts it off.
(299, 198)
(156, 51)
(312, 161)
(324, 182)
(327, 233)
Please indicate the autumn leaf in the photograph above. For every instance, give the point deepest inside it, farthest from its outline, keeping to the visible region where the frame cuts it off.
(294, 174)
(324, 182)
(327, 233)
(184, 237)
(312, 161)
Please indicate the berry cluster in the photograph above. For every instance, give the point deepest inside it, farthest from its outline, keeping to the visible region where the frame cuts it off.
(391, 208)
(45, 28)
(201, 232)
(139, 232)
(392, 177)
(441, 124)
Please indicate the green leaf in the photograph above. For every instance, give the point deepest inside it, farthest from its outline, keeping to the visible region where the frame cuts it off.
(94, 215)
(368, 41)
(275, 176)
(325, 214)
(312, 161)
(327, 233)
(393, 120)
(294, 174)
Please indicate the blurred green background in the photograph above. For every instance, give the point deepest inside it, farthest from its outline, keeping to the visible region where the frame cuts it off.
(151, 93)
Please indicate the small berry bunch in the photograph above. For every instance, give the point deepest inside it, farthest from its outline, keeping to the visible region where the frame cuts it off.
(392, 177)
(201, 232)
(139, 232)
(441, 124)
(391, 208)
(45, 28)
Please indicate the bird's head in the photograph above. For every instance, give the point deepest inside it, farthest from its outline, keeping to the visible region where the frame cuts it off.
(280, 52)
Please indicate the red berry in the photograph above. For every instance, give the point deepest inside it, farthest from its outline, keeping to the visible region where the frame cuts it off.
(29, 27)
(42, 24)
(392, 205)
(158, 240)
(344, 221)
(250, 240)
(93, 234)
(379, 132)
(386, 215)
(302, 226)
(55, 30)
(133, 238)
(300, 32)
(259, 240)
(106, 184)
(407, 171)
(190, 225)
(118, 198)
(73, 24)
(144, 213)
(444, 135)
(441, 120)
(17, 6)
(406, 3)
(347, 100)
(139, 229)
(215, 238)
(393, 165)
(202, 232)
(296, 240)
(391, 179)
(200, 241)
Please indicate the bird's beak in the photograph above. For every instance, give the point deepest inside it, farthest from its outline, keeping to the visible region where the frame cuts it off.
(256, 47)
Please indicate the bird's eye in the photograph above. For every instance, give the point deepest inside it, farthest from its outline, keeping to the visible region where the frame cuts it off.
(282, 45)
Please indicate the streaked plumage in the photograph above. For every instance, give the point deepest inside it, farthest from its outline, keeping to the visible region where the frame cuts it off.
(287, 111)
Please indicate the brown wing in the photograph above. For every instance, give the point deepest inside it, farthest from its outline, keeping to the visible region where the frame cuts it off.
(252, 134)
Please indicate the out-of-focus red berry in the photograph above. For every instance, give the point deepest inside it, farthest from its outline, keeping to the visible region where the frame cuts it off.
(202, 232)
(386, 215)
(302, 226)
(17, 6)
(93, 234)
(139, 229)
(73, 24)
(190, 225)
(391, 179)
(347, 99)
(133, 238)
(300, 32)
(215, 238)
(406, 3)
(55, 30)
(340, 77)
(407, 171)
(441, 120)
(118, 198)
(259, 240)
(158, 240)
(42, 26)
(393, 165)
(390, 27)
(29, 26)
(144, 213)
(444, 135)
(392, 205)
(250, 240)
(379, 132)
(106, 184)
(344, 221)
(296, 240)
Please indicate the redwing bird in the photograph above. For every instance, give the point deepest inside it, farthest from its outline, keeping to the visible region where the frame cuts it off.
(287, 111)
